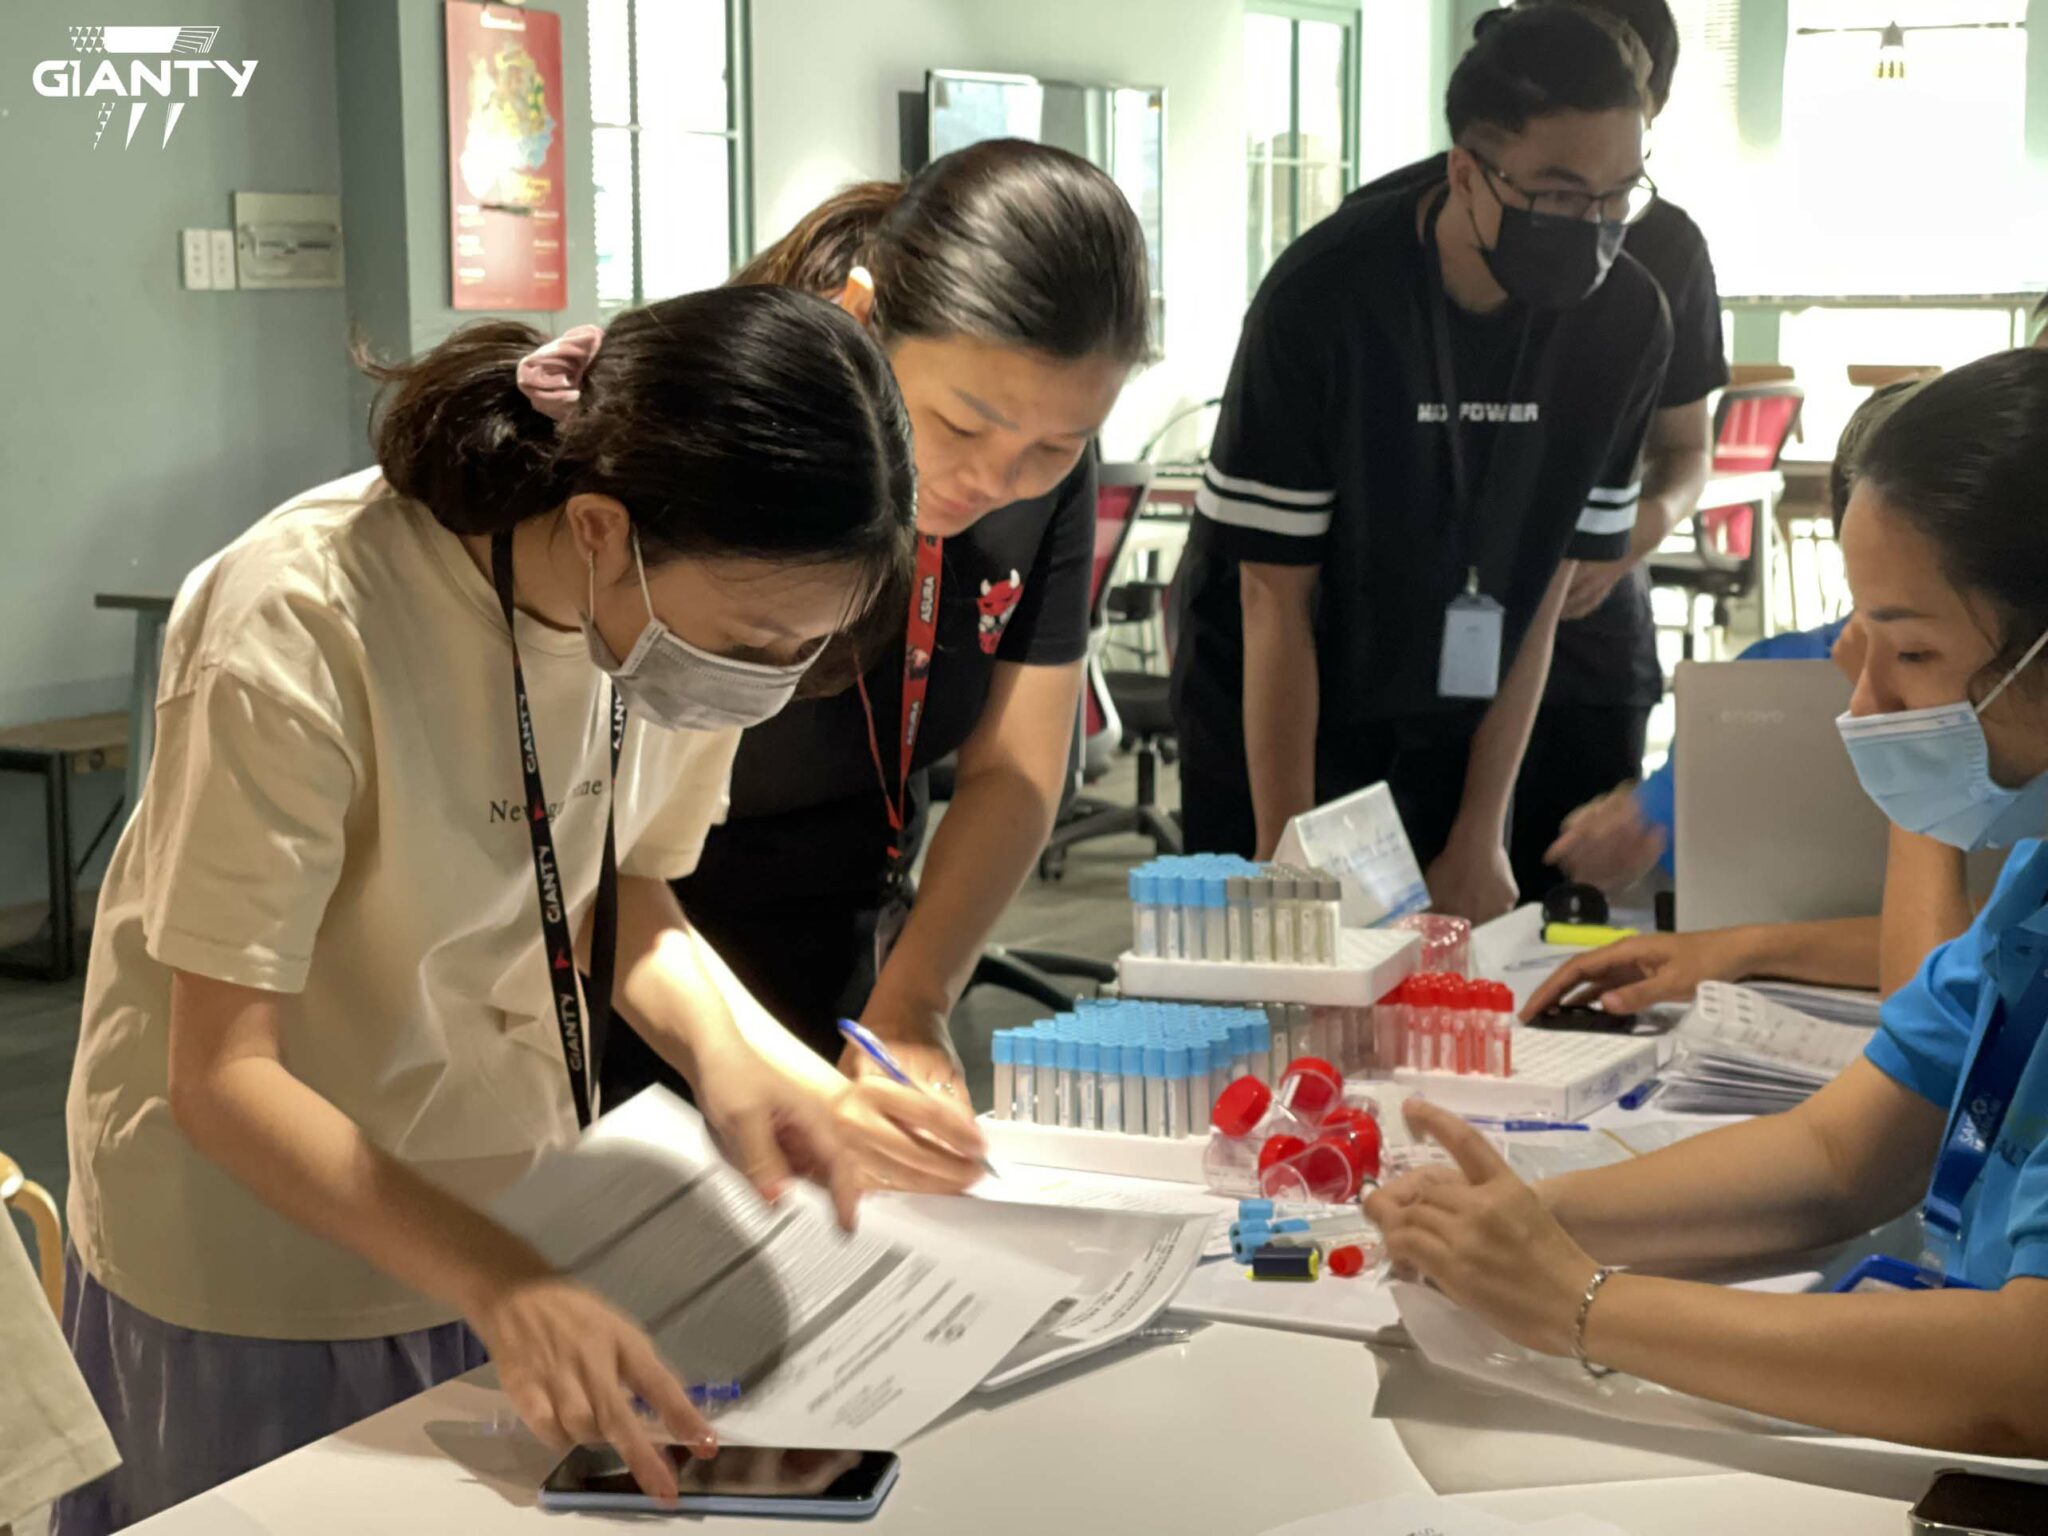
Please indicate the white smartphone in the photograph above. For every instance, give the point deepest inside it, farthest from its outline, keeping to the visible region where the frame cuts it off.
(740, 1480)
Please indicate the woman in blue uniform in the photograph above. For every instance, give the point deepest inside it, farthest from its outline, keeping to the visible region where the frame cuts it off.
(1947, 554)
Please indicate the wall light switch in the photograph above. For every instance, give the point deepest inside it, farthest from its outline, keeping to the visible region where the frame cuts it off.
(221, 243)
(195, 258)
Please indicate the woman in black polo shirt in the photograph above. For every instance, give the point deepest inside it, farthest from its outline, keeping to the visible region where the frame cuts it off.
(1008, 282)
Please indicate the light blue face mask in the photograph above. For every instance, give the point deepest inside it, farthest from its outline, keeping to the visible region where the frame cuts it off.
(1929, 770)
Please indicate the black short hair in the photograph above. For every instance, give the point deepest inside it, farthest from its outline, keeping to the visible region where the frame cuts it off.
(1655, 28)
(1864, 420)
(1964, 461)
(1530, 63)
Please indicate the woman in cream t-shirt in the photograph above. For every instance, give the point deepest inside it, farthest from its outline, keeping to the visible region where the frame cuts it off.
(400, 768)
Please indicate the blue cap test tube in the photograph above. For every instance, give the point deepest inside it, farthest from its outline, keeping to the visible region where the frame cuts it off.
(1088, 1083)
(1066, 1064)
(1110, 1089)
(1003, 1054)
(1155, 1088)
(1025, 1048)
(1178, 1067)
(1131, 1058)
(1215, 914)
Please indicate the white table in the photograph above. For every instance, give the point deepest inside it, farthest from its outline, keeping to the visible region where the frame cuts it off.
(1230, 1434)
(1234, 1432)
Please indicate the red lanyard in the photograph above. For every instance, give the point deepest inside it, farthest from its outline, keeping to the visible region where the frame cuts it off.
(920, 637)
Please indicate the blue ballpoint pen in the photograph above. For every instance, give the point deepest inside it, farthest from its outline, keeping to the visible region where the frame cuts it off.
(1515, 1126)
(1638, 1096)
(878, 1053)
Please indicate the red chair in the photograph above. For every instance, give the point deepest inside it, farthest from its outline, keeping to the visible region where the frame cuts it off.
(1751, 427)
(1752, 424)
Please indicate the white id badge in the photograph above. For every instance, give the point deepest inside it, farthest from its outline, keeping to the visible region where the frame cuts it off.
(1470, 667)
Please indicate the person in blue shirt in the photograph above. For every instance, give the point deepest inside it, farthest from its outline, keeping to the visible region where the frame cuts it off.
(1616, 839)
(1947, 554)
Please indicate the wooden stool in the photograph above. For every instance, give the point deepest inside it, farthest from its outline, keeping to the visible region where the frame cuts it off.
(18, 1192)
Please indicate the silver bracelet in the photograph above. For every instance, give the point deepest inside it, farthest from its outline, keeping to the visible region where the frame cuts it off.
(1601, 1276)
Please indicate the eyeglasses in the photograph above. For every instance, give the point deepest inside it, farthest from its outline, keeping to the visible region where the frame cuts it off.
(1625, 206)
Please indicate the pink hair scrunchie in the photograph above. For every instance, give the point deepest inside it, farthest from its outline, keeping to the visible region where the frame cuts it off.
(551, 377)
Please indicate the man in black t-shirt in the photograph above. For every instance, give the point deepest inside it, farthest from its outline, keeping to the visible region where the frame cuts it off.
(1437, 406)
(1605, 677)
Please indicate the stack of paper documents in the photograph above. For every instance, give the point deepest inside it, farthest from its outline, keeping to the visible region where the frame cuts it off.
(840, 1342)
(1838, 1005)
(1422, 1515)
(1740, 1053)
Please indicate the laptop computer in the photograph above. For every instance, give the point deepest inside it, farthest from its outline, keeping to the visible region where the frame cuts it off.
(1772, 823)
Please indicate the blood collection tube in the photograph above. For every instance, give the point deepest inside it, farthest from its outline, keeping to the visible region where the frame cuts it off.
(1193, 943)
(1155, 1088)
(1003, 1054)
(1308, 937)
(1284, 925)
(1237, 898)
(1131, 1058)
(1026, 1050)
(1144, 911)
(1261, 919)
(1215, 916)
(1387, 1015)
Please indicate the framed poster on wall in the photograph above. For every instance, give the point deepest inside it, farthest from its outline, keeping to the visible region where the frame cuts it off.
(506, 193)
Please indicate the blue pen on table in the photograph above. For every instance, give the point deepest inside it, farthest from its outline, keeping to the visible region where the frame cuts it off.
(878, 1053)
(1515, 1126)
(1639, 1095)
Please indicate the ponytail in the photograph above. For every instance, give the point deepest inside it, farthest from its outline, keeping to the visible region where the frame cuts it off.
(1005, 241)
(828, 242)
(740, 422)
(457, 436)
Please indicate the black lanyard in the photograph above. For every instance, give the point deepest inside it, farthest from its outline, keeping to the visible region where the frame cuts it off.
(560, 944)
(1465, 494)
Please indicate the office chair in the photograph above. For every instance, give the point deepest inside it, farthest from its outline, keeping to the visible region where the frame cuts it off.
(1118, 707)
(1752, 424)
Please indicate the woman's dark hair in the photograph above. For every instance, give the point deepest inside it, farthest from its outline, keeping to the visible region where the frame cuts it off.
(1654, 26)
(737, 422)
(1005, 241)
(1530, 62)
(1964, 461)
(1843, 472)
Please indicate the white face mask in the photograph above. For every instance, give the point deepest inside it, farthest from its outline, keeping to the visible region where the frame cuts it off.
(1929, 770)
(673, 684)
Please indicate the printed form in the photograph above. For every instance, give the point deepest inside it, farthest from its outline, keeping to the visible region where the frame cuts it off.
(838, 1342)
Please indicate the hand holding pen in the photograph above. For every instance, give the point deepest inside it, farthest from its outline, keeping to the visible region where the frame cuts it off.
(936, 1147)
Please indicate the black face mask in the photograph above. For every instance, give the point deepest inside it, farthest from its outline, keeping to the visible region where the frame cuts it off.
(1551, 263)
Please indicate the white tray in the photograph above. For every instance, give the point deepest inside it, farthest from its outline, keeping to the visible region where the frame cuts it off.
(1372, 962)
(1057, 1146)
(1559, 1075)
